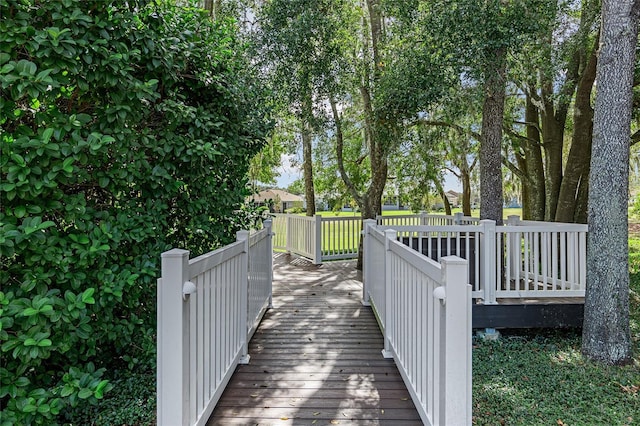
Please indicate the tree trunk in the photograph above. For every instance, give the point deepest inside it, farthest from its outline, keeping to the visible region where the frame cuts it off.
(491, 144)
(465, 177)
(445, 200)
(580, 152)
(553, 137)
(307, 166)
(533, 188)
(606, 335)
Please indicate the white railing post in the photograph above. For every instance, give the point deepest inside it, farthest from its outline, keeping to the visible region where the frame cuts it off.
(457, 218)
(268, 225)
(389, 235)
(424, 218)
(244, 297)
(288, 233)
(173, 340)
(367, 260)
(513, 244)
(455, 396)
(317, 250)
(488, 261)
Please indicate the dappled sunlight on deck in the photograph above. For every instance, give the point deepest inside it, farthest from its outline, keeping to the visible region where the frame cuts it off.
(316, 358)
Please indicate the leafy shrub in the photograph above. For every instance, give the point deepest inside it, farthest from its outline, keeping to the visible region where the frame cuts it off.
(126, 128)
(295, 210)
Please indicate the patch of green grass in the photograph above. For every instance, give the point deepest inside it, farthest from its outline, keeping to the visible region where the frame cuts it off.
(542, 379)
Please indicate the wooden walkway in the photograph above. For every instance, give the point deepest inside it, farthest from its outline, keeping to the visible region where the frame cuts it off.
(316, 358)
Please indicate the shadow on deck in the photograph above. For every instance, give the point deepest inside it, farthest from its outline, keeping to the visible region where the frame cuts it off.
(316, 357)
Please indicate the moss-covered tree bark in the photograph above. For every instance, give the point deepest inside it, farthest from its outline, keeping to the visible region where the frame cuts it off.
(606, 334)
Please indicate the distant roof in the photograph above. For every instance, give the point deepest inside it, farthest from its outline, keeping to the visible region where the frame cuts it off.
(273, 194)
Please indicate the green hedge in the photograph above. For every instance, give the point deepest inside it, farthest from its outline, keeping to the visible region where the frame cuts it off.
(126, 129)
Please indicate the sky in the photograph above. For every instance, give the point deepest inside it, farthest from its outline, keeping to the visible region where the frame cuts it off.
(290, 173)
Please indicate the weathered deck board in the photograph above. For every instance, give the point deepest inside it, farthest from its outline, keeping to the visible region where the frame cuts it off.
(316, 358)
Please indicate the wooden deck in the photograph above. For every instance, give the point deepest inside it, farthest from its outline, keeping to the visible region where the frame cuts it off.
(316, 358)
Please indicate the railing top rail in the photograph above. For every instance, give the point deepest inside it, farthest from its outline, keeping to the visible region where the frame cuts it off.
(258, 235)
(416, 259)
(338, 219)
(433, 228)
(545, 227)
(377, 233)
(212, 259)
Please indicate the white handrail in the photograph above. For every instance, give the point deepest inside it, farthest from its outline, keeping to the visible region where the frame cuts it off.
(424, 312)
(208, 308)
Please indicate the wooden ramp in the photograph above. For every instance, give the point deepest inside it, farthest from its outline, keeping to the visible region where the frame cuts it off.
(316, 358)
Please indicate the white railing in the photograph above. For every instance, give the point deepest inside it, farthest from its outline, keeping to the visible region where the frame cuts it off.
(464, 241)
(424, 219)
(279, 231)
(340, 237)
(337, 238)
(541, 259)
(208, 308)
(424, 311)
(301, 235)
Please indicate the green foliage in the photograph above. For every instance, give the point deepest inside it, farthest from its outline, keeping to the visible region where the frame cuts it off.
(126, 129)
(133, 404)
(635, 207)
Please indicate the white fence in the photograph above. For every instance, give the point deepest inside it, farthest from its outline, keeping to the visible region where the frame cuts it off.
(541, 259)
(424, 312)
(519, 260)
(300, 235)
(423, 219)
(321, 238)
(208, 308)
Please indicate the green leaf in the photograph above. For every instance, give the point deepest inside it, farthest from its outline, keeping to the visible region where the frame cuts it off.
(30, 342)
(85, 393)
(99, 392)
(29, 408)
(66, 391)
(44, 343)
(87, 296)
(46, 135)
(26, 67)
(21, 382)
(67, 164)
(20, 211)
(30, 312)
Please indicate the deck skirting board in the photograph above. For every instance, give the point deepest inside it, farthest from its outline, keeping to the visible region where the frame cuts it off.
(528, 315)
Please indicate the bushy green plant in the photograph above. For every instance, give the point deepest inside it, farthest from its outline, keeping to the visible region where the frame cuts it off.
(126, 129)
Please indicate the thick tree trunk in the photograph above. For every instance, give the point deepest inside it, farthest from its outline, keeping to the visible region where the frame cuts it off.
(553, 137)
(533, 188)
(580, 153)
(606, 334)
(491, 144)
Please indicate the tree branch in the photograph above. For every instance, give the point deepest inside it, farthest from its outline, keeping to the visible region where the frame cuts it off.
(457, 127)
(340, 151)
